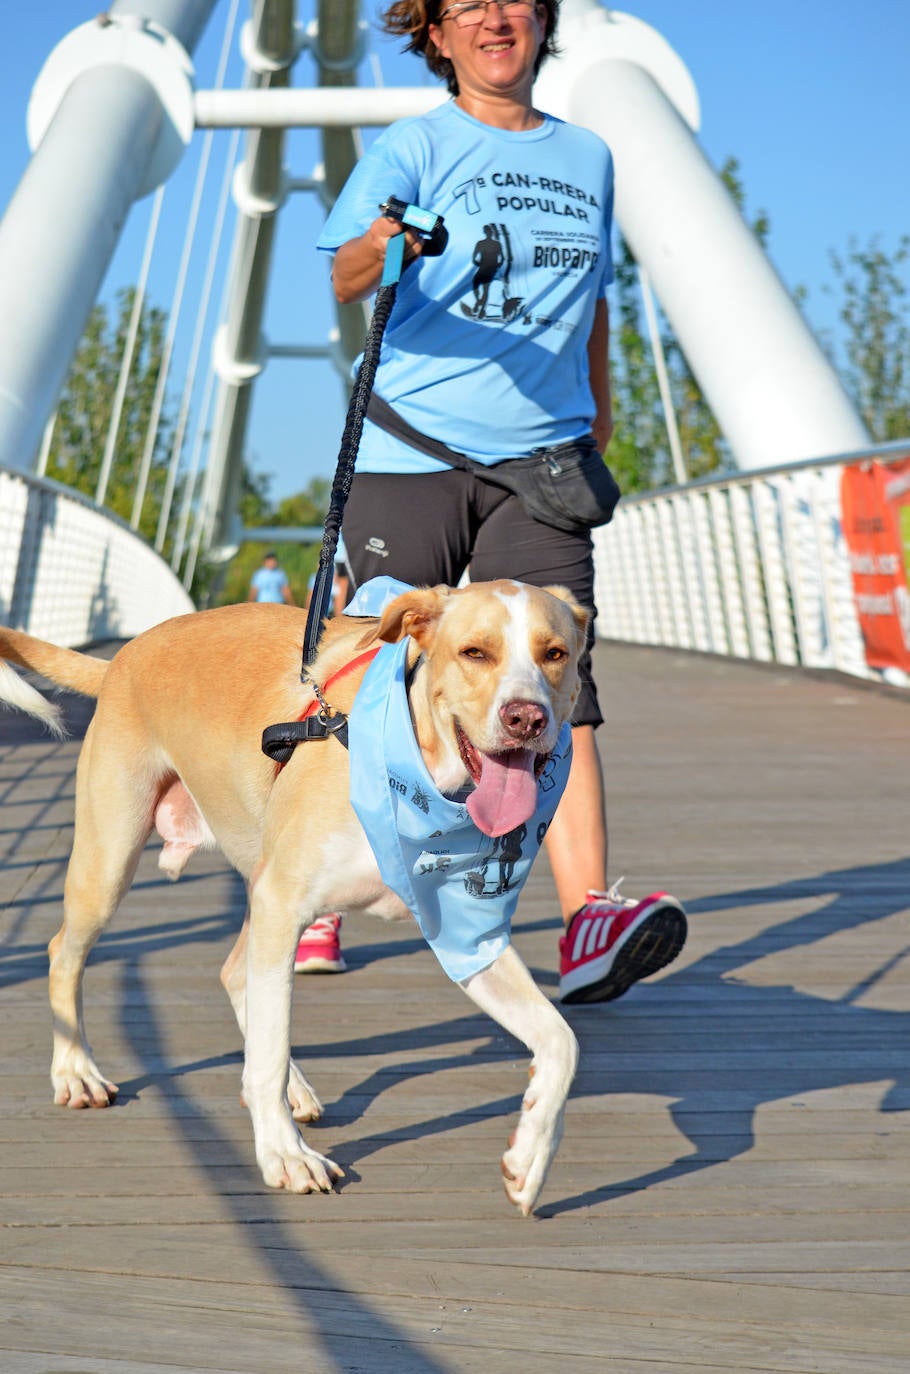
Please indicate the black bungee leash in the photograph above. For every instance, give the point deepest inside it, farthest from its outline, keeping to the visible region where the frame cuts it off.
(279, 741)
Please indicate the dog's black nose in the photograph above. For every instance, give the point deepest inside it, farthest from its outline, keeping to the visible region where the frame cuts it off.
(523, 720)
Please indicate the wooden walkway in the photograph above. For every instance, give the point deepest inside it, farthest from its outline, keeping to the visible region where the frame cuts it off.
(733, 1189)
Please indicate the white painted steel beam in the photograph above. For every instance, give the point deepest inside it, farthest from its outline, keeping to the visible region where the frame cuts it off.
(773, 391)
(341, 107)
(109, 118)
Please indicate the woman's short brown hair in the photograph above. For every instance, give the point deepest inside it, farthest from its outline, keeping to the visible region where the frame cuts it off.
(412, 19)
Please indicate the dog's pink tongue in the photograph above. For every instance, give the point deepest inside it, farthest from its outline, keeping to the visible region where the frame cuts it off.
(506, 795)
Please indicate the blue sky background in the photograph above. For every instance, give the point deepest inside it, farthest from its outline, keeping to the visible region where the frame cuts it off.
(809, 96)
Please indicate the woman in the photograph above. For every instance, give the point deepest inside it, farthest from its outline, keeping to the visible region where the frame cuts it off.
(498, 347)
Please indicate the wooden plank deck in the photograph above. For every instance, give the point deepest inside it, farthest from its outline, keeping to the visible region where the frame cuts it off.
(733, 1189)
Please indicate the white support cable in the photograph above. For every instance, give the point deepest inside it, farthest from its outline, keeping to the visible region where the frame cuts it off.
(375, 64)
(129, 349)
(202, 313)
(192, 481)
(213, 475)
(663, 380)
(190, 489)
(45, 451)
(183, 545)
(205, 513)
(164, 370)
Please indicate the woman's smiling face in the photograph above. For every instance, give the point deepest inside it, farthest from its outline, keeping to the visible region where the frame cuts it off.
(495, 57)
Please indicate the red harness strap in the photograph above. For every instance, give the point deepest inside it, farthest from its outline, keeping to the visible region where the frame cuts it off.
(336, 677)
(289, 738)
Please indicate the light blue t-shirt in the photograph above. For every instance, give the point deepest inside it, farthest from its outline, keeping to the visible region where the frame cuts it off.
(486, 347)
(269, 583)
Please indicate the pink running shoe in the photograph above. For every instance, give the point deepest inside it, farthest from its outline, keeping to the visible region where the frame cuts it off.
(613, 941)
(319, 950)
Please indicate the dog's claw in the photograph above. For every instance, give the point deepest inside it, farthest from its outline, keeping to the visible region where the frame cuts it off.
(300, 1170)
(83, 1087)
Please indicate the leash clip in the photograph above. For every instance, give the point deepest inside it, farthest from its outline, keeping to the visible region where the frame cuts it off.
(332, 725)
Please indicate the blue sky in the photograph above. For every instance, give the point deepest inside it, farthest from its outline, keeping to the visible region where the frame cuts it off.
(809, 96)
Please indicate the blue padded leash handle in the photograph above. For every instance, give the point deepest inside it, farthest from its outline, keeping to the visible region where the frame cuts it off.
(394, 261)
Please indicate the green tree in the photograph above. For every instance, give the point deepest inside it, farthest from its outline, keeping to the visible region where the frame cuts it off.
(875, 312)
(87, 403)
(638, 453)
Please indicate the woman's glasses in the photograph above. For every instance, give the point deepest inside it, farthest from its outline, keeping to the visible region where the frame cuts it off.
(470, 13)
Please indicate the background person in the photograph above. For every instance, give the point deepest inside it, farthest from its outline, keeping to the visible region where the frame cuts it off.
(269, 582)
(496, 387)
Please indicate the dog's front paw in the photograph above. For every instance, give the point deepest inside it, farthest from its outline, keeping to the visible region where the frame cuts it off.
(305, 1105)
(78, 1082)
(532, 1146)
(299, 1169)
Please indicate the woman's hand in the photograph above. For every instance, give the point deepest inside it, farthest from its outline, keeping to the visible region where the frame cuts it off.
(358, 266)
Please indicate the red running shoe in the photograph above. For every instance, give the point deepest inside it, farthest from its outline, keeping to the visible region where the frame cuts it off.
(613, 941)
(319, 950)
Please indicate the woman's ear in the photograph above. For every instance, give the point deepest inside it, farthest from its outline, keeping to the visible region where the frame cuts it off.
(437, 34)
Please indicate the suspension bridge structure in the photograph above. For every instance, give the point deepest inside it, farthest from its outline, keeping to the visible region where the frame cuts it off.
(731, 1193)
(118, 108)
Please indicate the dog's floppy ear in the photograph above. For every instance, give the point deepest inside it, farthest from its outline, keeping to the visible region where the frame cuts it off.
(413, 613)
(579, 614)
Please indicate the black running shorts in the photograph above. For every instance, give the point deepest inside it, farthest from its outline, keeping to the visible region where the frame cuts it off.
(427, 528)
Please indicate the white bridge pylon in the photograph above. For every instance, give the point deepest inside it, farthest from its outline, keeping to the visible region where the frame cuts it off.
(116, 101)
(773, 391)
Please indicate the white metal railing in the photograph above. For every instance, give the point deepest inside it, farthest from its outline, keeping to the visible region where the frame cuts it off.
(752, 565)
(73, 573)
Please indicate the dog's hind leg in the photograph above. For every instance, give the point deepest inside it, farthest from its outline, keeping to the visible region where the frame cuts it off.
(285, 1159)
(113, 821)
(508, 993)
(305, 1105)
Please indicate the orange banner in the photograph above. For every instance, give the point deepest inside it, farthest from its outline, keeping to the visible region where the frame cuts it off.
(875, 508)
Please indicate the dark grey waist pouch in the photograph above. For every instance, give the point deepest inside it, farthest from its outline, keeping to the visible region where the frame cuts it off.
(568, 486)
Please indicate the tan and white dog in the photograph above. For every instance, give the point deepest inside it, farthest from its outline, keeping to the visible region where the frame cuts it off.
(175, 743)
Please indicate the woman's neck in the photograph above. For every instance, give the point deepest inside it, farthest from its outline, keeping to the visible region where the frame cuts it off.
(501, 112)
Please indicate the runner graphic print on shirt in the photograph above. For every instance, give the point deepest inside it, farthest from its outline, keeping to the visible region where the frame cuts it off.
(493, 260)
(566, 252)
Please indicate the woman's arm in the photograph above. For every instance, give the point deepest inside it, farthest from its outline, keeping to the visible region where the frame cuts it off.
(357, 268)
(599, 373)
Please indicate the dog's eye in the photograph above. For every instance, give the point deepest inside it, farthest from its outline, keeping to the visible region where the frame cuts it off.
(555, 654)
(472, 651)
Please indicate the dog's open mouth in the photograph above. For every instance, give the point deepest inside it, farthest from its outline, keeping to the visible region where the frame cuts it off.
(505, 788)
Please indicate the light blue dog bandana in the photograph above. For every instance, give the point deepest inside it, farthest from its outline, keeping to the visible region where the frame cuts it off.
(461, 885)
(372, 597)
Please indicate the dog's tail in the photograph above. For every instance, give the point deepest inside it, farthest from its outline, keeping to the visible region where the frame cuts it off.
(73, 671)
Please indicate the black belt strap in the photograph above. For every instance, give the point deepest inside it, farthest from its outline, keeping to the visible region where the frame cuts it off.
(382, 415)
